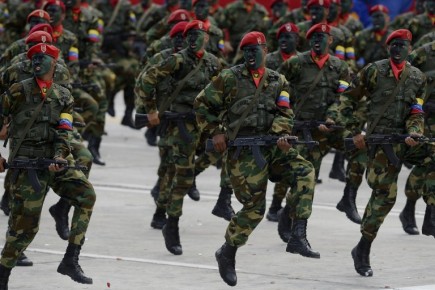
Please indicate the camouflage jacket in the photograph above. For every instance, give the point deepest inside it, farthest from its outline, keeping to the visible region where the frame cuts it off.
(236, 19)
(352, 23)
(45, 138)
(402, 21)
(423, 58)
(13, 50)
(274, 60)
(420, 25)
(368, 49)
(377, 82)
(86, 30)
(231, 93)
(178, 66)
(429, 37)
(301, 70)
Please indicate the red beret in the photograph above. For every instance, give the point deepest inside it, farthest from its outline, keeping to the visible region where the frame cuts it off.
(379, 7)
(287, 27)
(196, 1)
(253, 38)
(47, 49)
(39, 37)
(320, 27)
(276, 2)
(324, 3)
(404, 34)
(42, 27)
(179, 27)
(179, 15)
(40, 14)
(54, 2)
(338, 2)
(195, 24)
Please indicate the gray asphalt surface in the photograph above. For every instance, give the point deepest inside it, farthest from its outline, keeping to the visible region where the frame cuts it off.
(122, 251)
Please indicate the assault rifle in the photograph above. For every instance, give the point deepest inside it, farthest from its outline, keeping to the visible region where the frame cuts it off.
(31, 165)
(306, 126)
(386, 142)
(254, 144)
(141, 120)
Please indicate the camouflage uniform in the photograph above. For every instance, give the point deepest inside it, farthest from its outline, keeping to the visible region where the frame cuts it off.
(369, 47)
(231, 91)
(15, 26)
(420, 25)
(237, 21)
(300, 71)
(4, 16)
(429, 37)
(377, 81)
(70, 184)
(352, 23)
(424, 59)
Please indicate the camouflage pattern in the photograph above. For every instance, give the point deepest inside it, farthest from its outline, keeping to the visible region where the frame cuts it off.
(69, 184)
(352, 23)
(158, 45)
(15, 27)
(402, 20)
(177, 66)
(429, 37)
(237, 21)
(249, 181)
(153, 15)
(13, 50)
(424, 59)
(368, 48)
(420, 25)
(68, 44)
(375, 81)
(274, 60)
(4, 17)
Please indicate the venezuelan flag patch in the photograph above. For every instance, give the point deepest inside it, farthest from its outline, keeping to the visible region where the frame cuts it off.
(65, 122)
(343, 85)
(73, 54)
(93, 35)
(100, 26)
(339, 52)
(350, 53)
(283, 100)
(221, 45)
(417, 108)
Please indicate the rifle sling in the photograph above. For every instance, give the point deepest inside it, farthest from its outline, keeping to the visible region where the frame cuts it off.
(29, 124)
(310, 90)
(373, 125)
(114, 14)
(165, 105)
(254, 101)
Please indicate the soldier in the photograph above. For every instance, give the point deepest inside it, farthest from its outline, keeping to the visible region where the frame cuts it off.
(165, 172)
(395, 91)
(429, 37)
(192, 68)
(288, 39)
(402, 20)
(69, 183)
(238, 18)
(423, 23)
(370, 43)
(316, 78)
(154, 15)
(232, 92)
(348, 19)
(15, 27)
(424, 59)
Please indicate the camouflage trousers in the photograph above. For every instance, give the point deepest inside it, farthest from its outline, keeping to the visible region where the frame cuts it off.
(24, 218)
(88, 105)
(250, 184)
(382, 179)
(356, 167)
(166, 172)
(414, 181)
(183, 156)
(314, 155)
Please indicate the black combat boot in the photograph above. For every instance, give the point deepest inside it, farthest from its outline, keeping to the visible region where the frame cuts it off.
(151, 136)
(193, 192)
(172, 236)
(127, 120)
(226, 258)
(407, 218)
(94, 148)
(285, 224)
(70, 265)
(111, 103)
(347, 204)
(272, 214)
(223, 206)
(59, 212)
(23, 261)
(159, 219)
(428, 228)
(361, 257)
(298, 243)
(337, 170)
(4, 277)
(4, 203)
